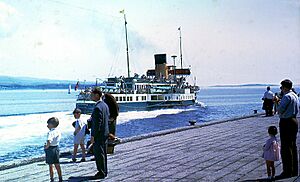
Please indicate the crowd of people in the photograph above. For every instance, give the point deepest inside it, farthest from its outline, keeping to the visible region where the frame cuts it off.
(271, 100)
(101, 126)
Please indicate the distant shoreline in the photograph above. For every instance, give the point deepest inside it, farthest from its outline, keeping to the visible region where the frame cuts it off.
(39, 87)
(245, 85)
(14, 83)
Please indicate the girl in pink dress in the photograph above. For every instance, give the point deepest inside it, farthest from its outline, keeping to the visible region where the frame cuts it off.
(271, 151)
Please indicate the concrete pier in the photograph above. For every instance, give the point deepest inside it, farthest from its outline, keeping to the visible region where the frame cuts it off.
(228, 150)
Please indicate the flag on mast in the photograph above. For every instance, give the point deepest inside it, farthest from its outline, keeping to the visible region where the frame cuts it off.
(122, 11)
(179, 28)
(76, 86)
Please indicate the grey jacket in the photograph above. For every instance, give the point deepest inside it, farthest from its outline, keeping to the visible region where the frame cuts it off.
(100, 117)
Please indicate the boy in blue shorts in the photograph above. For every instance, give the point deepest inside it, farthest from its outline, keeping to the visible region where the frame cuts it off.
(52, 149)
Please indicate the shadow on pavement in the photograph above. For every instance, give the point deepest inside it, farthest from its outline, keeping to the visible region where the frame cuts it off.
(79, 178)
(258, 180)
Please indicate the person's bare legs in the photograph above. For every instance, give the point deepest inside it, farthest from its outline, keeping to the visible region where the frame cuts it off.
(270, 168)
(58, 169)
(51, 171)
(83, 151)
(75, 152)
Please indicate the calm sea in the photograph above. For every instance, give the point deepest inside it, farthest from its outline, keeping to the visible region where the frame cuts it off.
(23, 116)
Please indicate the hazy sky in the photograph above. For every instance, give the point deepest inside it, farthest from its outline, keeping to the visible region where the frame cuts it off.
(224, 41)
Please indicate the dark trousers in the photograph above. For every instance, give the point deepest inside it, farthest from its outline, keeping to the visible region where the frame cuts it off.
(100, 153)
(268, 106)
(288, 128)
(112, 125)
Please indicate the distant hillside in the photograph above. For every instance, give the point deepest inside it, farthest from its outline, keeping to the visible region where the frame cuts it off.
(8, 82)
(246, 85)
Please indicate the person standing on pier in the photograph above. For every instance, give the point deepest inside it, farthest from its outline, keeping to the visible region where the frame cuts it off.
(288, 128)
(113, 114)
(268, 102)
(271, 152)
(79, 135)
(51, 148)
(99, 133)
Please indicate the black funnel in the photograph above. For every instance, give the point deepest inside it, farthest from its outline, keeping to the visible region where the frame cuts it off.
(160, 58)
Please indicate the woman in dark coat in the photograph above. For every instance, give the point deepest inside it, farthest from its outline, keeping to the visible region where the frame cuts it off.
(113, 114)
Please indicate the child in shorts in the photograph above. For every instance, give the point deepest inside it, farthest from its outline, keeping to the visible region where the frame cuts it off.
(52, 149)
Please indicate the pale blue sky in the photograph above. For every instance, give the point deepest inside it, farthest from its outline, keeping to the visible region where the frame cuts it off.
(224, 41)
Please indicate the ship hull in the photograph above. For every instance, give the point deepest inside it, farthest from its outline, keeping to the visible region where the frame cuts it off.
(87, 107)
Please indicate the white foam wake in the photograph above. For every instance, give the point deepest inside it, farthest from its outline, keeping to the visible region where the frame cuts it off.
(31, 129)
(127, 116)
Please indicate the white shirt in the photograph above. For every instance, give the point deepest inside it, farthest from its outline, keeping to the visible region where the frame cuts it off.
(79, 137)
(79, 123)
(54, 137)
(268, 95)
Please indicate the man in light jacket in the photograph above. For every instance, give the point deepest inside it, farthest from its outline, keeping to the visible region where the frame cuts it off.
(288, 128)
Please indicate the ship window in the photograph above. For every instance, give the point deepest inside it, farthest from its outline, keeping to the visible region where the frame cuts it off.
(137, 98)
(120, 98)
(127, 98)
(124, 98)
(166, 98)
(153, 97)
(130, 98)
(117, 98)
(160, 97)
(144, 97)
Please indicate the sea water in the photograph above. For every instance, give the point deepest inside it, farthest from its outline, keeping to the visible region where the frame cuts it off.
(24, 113)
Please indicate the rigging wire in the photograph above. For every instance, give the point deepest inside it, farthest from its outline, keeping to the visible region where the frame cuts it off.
(82, 8)
(115, 59)
(94, 11)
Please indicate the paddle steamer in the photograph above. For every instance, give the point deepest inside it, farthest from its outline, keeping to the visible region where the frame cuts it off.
(164, 86)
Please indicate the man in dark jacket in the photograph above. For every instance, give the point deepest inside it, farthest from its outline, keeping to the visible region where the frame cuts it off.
(99, 133)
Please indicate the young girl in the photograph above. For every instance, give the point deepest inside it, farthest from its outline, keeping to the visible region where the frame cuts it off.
(52, 149)
(271, 152)
(79, 134)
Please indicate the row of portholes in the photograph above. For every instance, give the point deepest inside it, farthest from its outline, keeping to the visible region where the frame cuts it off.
(129, 98)
(182, 98)
(142, 98)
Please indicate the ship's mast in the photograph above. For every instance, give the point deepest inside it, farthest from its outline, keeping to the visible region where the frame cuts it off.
(128, 70)
(180, 46)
